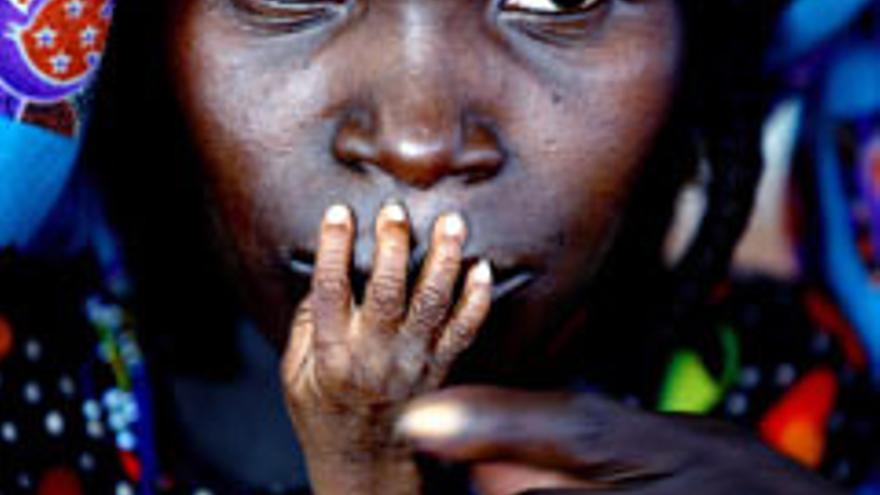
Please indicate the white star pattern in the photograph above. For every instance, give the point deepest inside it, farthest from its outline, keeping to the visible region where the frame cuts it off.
(22, 5)
(74, 8)
(45, 37)
(87, 36)
(92, 58)
(60, 63)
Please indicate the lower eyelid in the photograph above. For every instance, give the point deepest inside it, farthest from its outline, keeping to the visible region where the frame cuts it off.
(281, 8)
(561, 28)
(276, 17)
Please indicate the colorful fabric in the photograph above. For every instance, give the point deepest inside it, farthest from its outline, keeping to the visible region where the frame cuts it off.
(77, 415)
(783, 365)
(787, 365)
(49, 49)
(49, 53)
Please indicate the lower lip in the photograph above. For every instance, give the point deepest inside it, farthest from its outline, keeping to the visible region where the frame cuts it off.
(502, 288)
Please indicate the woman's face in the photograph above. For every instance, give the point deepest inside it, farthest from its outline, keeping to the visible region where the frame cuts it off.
(530, 117)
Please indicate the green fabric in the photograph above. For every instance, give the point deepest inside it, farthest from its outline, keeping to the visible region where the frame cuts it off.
(690, 388)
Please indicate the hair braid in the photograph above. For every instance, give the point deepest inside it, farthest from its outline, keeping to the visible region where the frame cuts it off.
(732, 97)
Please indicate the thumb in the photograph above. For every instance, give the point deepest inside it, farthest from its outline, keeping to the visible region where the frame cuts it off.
(556, 430)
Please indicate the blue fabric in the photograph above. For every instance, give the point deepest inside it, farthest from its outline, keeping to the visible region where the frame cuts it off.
(808, 23)
(35, 165)
(852, 86)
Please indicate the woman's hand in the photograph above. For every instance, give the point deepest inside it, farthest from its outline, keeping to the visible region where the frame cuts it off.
(348, 369)
(559, 443)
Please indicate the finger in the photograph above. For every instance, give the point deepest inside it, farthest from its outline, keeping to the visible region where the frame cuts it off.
(433, 293)
(585, 491)
(298, 344)
(658, 488)
(502, 478)
(385, 300)
(578, 433)
(331, 287)
(468, 316)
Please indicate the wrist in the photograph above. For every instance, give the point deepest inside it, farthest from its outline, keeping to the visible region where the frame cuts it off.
(355, 453)
(365, 472)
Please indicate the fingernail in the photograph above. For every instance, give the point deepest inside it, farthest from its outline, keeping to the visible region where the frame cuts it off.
(453, 225)
(395, 213)
(433, 421)
(483, 272)
(337, 215)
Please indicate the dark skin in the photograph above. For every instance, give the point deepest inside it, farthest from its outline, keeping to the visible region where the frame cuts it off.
(511, 132)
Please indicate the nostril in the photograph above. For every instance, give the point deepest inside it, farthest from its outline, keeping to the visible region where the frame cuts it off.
(481, 157)
(354, 143)
(478, 165)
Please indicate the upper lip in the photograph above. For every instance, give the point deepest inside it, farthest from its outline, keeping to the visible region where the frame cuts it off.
(507, 278)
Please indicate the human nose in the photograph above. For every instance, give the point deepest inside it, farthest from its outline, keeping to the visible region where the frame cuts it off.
(416, 123)
(417, 146)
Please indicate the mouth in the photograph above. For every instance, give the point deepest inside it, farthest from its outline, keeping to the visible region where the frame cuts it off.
(507, 279)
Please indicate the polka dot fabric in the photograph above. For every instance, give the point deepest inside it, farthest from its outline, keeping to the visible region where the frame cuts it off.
(73, 413)
(73, 418)
(802, 384)
(45, 377)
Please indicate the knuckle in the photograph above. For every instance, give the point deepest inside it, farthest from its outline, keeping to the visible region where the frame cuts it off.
(330, 286)
(393, 231)
(332, 367)
(449, 259)
(460, 335)
(388, 285)
(332, 255)
(339, 230)
(411, 364)
(392, 239)
(430, 306)
(386, 306)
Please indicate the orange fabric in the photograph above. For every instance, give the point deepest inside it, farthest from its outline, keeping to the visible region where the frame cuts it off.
(797, 425)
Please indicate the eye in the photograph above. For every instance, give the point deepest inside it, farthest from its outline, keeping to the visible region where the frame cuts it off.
(289, 15)
(550, 6)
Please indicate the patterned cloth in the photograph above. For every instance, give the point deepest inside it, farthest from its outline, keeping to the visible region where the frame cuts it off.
(76, 408)
(77, 413)
(49, 52)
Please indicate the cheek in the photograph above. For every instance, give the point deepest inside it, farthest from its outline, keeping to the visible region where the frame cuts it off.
(579, 126)
(587, 140)
(255, 112)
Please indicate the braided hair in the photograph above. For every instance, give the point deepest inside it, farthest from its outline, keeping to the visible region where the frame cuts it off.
(715, 124)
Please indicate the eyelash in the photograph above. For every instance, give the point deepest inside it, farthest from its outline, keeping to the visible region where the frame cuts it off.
(282, 16)
(288, 15)
(548, 7)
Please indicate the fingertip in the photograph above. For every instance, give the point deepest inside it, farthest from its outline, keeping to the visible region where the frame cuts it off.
(432, 421)
(338, 215)
(453, 225)
(394, 212)
(392, 220)
(482, 273)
